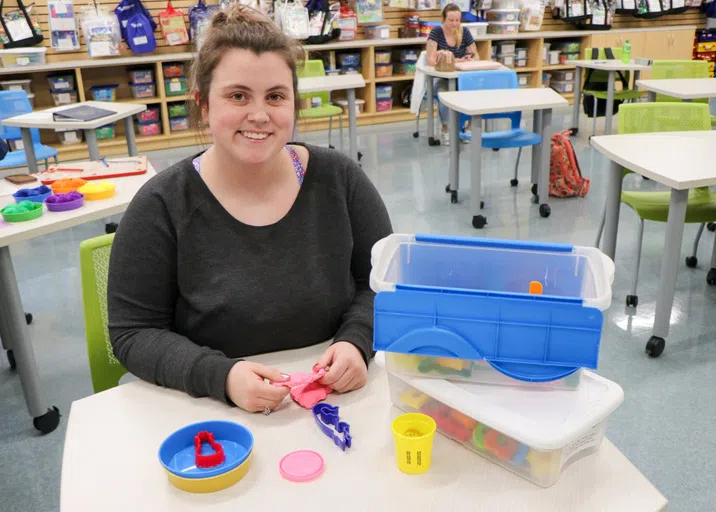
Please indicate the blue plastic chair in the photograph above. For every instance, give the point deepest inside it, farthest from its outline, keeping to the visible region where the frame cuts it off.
(15, 103)
(515, 137)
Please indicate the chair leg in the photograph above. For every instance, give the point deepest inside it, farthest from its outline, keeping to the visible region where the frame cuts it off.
(416, 133)
(692, 261)
(594, 118)
(711, 275)
(340, 129)
(633, 299)
(601, 227)
(330, 129)
(515, 181)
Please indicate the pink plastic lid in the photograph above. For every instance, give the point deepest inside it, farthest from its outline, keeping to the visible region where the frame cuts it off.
(301, 466)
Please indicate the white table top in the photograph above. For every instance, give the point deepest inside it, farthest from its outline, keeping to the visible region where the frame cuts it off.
(430, 71)
(494, 101)
(684, 88)
(110, 460)
(330, 83)
(50, 222)
(43, 118)
(610, 65)
(679, 160)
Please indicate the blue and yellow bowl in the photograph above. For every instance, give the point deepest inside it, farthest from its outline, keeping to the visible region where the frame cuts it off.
(177, 456)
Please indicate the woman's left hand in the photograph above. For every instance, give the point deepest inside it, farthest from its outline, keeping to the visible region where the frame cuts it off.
(347, 368)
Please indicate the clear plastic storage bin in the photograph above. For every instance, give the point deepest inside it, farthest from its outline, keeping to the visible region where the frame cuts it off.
(563, 76)
(506, 59)
(505, 46)
(523, 80)
(377, 32)
(535, 435)
(563, 87)
(64, 97)
(477, 28)
(408, 56)
(19, 57)
(383, 56)
(383, 70)
(532, 310)
(383, 92)
(143, 90)
(360, 105)
(59, 83)
(17, 85)
(384, 105)
(70, 136)
(503, 15)
(349, 59)
(507, 28)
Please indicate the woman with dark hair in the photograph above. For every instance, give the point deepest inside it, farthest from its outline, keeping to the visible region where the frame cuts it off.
(451, 37)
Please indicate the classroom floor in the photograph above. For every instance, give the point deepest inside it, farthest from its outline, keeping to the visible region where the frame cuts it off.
(667, 402)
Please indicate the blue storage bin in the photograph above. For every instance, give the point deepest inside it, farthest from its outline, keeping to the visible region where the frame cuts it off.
(349, 59)
(383, 92)
(468, 298)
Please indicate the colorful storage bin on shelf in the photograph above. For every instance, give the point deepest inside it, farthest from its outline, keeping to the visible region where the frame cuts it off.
(533, 434)
(59, 83)
(64, 97)
(175, 86)
(141, 76)
(349, 59)
(384, 105)
(383, 70)
(173, 70)
(383, 56)
(404, 68)
(104, 92)
(383, 92)
(149, 116)
(143, 90)
(150, 128)
(105, 132)
(469, 298)
(507, 28)
(177, 109)
(408, 56)
(178, 124)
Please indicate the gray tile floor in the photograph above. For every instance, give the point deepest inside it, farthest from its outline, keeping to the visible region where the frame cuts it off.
(667, 400)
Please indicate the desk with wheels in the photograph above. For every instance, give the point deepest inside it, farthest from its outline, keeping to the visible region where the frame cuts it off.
(660, 157)
(14, 333)
(685, 89)
(477, 103)
(431, 73)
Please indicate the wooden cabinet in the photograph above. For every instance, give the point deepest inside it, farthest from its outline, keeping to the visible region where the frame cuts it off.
(617, 40)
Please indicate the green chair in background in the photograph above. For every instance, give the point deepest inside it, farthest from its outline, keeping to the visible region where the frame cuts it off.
(596, 82)
(105, 369)
(314, 68)
(654, 206)
(665, 69)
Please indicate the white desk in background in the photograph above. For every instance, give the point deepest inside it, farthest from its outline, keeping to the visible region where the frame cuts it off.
(110, 460)
(686, 89)
(349, 83)
(495, 101)
(13, 327)
(42, 119)
(678, 160)
(612, 66)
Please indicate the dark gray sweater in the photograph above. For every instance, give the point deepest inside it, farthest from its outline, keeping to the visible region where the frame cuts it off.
(191, 289)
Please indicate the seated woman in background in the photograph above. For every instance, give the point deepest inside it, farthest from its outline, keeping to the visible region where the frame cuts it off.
(254, 245)
(451, 37)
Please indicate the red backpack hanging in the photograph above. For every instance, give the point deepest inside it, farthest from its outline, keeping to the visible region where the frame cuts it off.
(565, 177)
(173, 26)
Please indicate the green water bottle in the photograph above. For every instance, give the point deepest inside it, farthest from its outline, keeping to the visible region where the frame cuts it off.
(626, 52)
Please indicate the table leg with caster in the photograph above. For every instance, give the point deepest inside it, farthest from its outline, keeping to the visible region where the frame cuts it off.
(536, 153)
(543, 184)
(5, 341)
(669, 268)
(454, 169)
(476, 204)
(14, 327)
(432, 141)
(577, 100)
(711, 275)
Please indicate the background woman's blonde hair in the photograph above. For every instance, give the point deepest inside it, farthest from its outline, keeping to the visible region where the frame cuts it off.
(244, 28)
(454, 8)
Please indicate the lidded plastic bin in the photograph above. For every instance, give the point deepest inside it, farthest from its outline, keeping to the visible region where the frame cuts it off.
(535, 435)
(469, 299)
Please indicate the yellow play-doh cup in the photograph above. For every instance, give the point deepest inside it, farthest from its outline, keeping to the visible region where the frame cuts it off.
(211, 484)
(414, 434)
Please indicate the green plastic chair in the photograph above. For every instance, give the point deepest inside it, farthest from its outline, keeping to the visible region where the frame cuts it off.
(599, 76)
(664, 69)
(105, 369)
(654, 206)
(314, 68)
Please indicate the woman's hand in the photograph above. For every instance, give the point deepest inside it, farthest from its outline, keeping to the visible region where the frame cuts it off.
(245, 386)
(347, 367)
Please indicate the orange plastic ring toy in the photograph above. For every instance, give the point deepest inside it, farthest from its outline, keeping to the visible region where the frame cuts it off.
(499, 444)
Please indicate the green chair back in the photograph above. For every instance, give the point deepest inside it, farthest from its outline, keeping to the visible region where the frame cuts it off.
(597, 76)
(314, 68)
(664, 69)
(105, 369)
(663, 117)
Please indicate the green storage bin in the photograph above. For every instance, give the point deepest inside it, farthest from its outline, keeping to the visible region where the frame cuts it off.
(105, 132)
(175, 86)
(177, 110)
